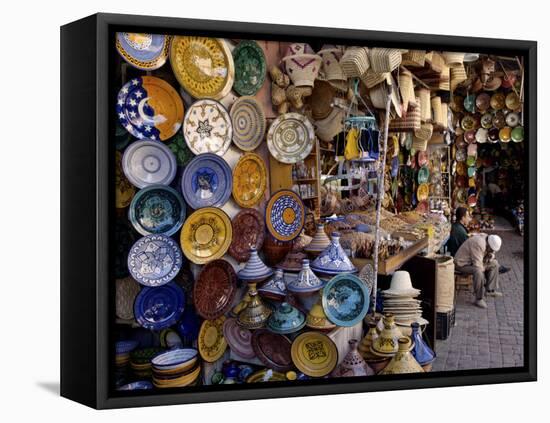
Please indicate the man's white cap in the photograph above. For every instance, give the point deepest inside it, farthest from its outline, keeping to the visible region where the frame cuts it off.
(495, 242)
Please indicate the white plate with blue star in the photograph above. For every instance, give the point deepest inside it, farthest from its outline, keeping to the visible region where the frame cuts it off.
(149, 108)
(207, 127)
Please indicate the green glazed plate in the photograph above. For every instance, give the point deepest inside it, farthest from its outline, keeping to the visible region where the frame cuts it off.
(250, 67)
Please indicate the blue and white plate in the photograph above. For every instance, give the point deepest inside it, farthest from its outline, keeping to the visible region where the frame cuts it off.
(346, 300)
(136, 386)
(157, 209)
(143, 51)
(154, 260)
(159, 308)
(174, 358)
(207, 181)
(149, 163)
(285, 215)
(123, 347)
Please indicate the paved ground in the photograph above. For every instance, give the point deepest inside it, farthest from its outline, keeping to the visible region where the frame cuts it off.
(492, 337)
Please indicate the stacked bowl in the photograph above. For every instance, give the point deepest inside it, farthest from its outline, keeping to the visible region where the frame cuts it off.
(176, 368)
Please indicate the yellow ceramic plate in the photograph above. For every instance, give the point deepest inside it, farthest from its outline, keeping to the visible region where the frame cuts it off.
(206, 235)
(124, 190)
(314, 354)
(422, 192)
(249, 180)
(203, 66)
(212, 344)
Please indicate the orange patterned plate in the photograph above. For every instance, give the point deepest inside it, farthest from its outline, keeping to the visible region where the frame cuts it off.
(203, 66)
(249, 180)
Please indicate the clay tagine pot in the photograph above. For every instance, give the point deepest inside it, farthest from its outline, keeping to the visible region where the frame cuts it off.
(375, 362)
(255, 269)
(386, 345)
(319, 242)
(403, 361)
(316, 318)
(353, 363)
(275, 288)
(256, 313)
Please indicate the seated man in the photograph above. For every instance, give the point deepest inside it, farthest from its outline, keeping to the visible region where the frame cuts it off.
(476, 256)
(459, 233)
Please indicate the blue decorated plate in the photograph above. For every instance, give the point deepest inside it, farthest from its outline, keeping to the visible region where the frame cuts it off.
(285, 215)
(149, 108)
(207, 181)
(154, 260)
(159, 308)
(346, 300)
(143, 51)
(148, 162)
(157, 209)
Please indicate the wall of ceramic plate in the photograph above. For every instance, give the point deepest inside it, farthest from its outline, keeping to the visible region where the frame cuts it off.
(246, 180)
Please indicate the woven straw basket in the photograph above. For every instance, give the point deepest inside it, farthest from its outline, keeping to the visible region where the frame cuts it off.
(419, 144)
(425, 106)
(409, 122)
(384, 59)
(414, 58)
(355, 62)
(458, 75)
(425, 132)
(406, 87)
(371, 78)
(302, 68)
(453, 58)
(437, 108)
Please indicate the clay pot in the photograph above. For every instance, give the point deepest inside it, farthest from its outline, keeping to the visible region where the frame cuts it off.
(256, 313)
(386, 345)
(403, 361)
(275, 250)
(353, 363)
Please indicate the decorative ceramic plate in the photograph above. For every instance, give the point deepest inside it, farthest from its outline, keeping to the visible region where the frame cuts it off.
(250, 226)
(285, 215)
(423, 175)
(367, 276)
(250, 67)
(249, 123)
(125, 237)
(206, 181)
(206, 235)
(143, 51)
(149, 108)
(272, 349)
(249, 180)
(136, 386)
(422, 192)
(314, 354)
(346, 300)
(238, 338)
(203, 66)
(157, 209)
(290, 138)
(211, 342)
(160, 307)
(125, 294)
(149, 163)
(124, 190)
(207, 128)
(154, 260)
(215, 289)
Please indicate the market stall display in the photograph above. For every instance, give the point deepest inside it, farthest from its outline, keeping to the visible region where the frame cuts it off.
(289, 217)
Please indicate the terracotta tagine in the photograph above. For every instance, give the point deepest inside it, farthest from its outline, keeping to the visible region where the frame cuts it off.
(316, 318)
(403, 361)
(376, 318)
(255, 269)
(275, 288)
(421, 351)
(376, 362)
(292, 261)
(319, 242)
(256, 313)
(386, 344)
(301, 242)
(353, 363)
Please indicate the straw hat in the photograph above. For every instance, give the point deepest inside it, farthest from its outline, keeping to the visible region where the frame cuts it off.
(326, 129)
(453, 58)
(414, 58)
(423, 95)
(355, 62)
(406, 87)
(384, 59)
(401, 284)
(321, 99)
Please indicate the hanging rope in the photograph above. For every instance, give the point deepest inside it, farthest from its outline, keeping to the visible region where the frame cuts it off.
(380, 196)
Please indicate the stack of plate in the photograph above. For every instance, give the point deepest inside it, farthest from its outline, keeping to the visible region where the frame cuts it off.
(176, 368)
(140, 361)
(122, 352)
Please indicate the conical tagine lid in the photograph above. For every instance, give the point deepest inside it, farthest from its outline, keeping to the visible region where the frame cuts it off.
(319, 242)
(333, 259)
(255, 270)
(306, 281)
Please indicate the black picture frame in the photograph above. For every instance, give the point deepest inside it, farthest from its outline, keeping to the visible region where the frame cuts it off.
(86, 169)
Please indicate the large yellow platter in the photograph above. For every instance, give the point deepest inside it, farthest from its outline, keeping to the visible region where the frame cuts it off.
(249, 180)
(314, 354)
(206, 235)
(212, 343)
(203, 66)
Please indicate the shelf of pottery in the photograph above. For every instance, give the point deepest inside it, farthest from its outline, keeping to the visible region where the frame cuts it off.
(440, 178)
